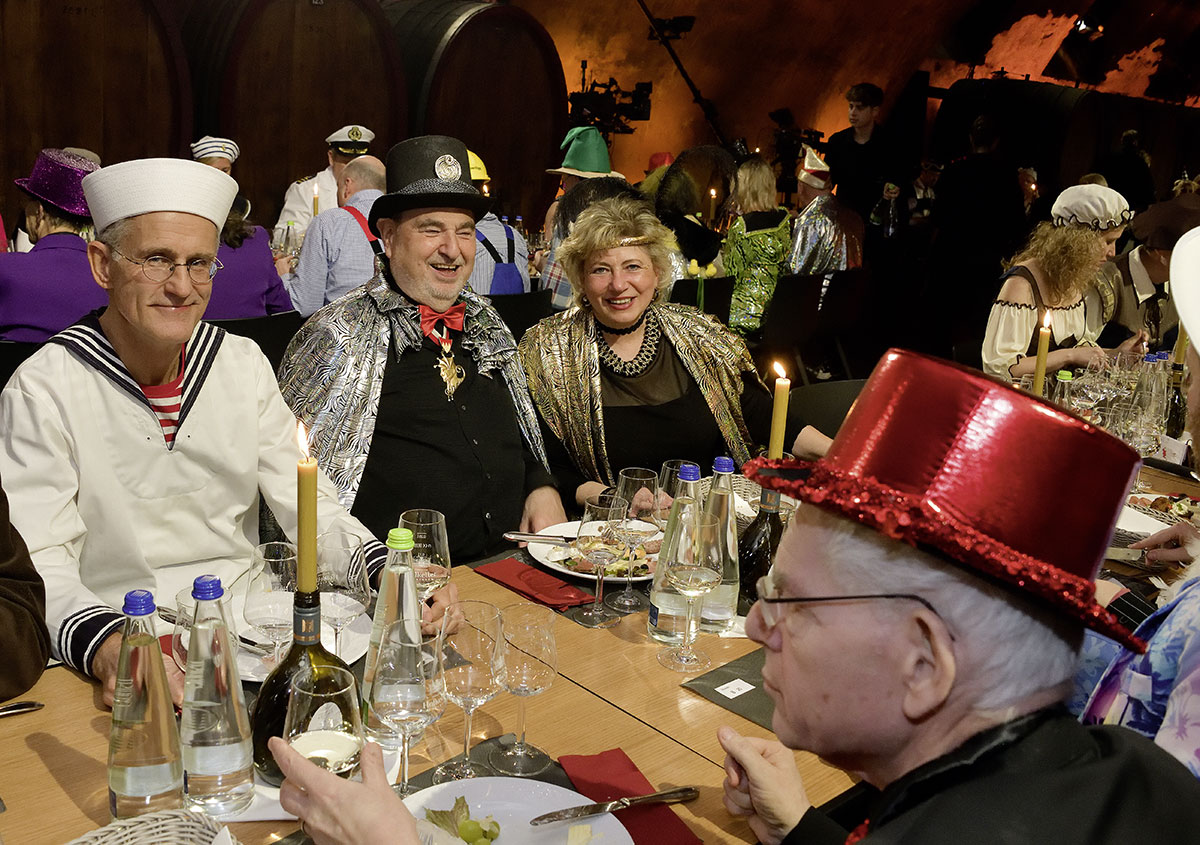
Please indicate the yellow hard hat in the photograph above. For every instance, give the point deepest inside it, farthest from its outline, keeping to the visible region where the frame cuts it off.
(478, 171)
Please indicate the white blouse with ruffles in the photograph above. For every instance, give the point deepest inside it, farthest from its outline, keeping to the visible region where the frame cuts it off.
(1012, 326)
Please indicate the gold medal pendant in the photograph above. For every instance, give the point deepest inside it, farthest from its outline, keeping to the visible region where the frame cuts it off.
(451, 373)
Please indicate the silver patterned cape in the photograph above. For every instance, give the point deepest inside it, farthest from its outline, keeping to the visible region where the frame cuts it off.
(332, 373)
(820, 242)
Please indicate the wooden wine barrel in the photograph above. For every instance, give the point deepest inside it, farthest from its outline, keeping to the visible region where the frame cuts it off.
(489, 75)
(279, 76)
(107, 75)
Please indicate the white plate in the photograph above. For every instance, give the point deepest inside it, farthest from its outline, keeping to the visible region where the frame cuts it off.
(513, 802)
(355, 638)
(541, 553)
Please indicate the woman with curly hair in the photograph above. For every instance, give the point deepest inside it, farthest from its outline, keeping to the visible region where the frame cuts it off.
(1050, 276)
(624, 379)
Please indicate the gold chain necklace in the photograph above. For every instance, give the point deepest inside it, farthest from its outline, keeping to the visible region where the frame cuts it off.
(642, 361)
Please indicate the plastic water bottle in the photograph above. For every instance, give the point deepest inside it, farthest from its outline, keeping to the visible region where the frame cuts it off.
(397, 600)
(720, 605)
(145, 769)
(215, 729)
(668, 608)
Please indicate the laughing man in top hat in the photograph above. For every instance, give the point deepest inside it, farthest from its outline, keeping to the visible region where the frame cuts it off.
(321, 190)
(46, 289)
(137, 441)
(922, 620)
(411, 385)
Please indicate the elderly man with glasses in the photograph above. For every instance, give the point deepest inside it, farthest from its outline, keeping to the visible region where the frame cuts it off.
(922, 621)
(137, 441)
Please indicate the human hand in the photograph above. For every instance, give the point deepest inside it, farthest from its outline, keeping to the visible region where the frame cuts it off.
(762, 784)
(285, 264)
(104, 670)
(339, 811)
(1135, 343)
(431, 616)
(810, 444)
(543, 508)
(1081, 356)
(1174, 544)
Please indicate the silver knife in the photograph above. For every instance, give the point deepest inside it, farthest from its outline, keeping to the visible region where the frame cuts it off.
(548, 539)
(20, 707)
(669, 796)
(245, 643)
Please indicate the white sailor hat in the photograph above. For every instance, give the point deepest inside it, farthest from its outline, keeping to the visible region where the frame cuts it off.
(351, 140)
(158, 184)
(210, 147)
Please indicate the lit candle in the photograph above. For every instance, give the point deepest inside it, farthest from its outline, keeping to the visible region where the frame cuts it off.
(779, 416)
(487, 191)
(306, 510)
(316, 201)
(712, 206)
(1039, 372)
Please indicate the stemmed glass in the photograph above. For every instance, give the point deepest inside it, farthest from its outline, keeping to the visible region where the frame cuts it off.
(637, 486)
(431, 549)
(342, 580)
(601, 516)
(409, 691)
(527, 666)
(667, 489)
(269, 595)
(694, 572)
(323, 721)
(470, 641)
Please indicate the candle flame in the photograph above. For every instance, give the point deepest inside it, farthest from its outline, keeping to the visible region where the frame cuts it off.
(316, 191)
(487, 192)
(712, 192)
(1046, 320)
(302, 438)
(779, 371)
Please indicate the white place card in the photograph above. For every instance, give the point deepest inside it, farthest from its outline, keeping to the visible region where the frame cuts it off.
(734, 688)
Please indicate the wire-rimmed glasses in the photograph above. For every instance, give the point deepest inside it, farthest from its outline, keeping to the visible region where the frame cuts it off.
(158, 268)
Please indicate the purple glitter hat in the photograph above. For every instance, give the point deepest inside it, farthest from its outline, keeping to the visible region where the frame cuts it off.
(57, 179)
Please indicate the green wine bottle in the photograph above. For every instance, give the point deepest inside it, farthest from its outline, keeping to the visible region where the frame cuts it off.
(306, 656)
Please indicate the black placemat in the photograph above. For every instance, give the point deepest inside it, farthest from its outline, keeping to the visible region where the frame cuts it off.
(753, 704)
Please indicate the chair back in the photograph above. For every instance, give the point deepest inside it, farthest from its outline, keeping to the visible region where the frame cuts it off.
(824, 404)
(272, 333)
(12, 355)
(718, 295)
(520, 311)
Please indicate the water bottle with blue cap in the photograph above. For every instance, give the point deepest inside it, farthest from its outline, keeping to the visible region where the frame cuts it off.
(720, 605)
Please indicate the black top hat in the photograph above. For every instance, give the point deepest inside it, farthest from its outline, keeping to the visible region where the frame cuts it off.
(430, 171)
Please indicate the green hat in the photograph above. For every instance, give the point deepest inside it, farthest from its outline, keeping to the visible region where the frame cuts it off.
(587, 155)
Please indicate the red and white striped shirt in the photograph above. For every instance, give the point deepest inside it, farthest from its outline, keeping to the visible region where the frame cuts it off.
(165, 401)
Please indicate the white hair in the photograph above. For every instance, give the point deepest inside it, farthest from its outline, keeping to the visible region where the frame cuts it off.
(1007, 647)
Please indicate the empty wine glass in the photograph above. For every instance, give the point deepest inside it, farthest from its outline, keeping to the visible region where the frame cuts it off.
(431, 549)
(637, 486)
(342, 580)
(693, 575)
(409, 690)
(527, 666)
(323, 721)
(601, 516)
(185, 614)
(470, 641)
(270, 593)
(668, 486)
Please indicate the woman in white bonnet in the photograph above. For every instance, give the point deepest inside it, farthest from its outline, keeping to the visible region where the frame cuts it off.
(1050, 275)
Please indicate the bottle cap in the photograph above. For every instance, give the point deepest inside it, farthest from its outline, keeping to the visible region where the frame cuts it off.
(138, 603)
(689, 472)
(400, 538)
(723, 463)
(1065, 375)
(207, 588)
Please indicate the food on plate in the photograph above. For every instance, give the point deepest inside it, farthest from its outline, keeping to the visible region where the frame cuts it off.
(580, 834)
(457, 822)
(1179, 505)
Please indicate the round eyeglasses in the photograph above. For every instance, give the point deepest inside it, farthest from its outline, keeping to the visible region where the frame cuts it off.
(159, 268)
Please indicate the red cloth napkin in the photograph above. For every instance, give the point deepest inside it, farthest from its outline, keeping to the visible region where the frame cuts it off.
(611, 775)
(534, 584)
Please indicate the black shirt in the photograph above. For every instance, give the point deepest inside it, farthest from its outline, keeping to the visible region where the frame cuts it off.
(860, 170)
(465, 457)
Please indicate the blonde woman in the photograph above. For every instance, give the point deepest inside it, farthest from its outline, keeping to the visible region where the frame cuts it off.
(1050, 275)
(756, 247)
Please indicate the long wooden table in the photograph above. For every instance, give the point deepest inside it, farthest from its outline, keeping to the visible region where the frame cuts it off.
(610, 692)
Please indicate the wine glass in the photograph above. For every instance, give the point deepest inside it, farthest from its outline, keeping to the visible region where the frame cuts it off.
(323, 721)
(409, 691)
(527, 666)
(185, 614)
(342, 580)
(693, 574)
(431, 549)
(469, 640)
(668, 487)
(637, 486)
(601, 516)
(269, 595)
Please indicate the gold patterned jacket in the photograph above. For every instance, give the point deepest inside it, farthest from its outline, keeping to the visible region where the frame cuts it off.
(562, 365)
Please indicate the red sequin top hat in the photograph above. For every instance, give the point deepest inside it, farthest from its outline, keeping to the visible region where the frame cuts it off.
(948, 460)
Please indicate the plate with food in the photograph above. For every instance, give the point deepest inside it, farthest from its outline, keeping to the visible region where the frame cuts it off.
(571, 560)
(504, 807)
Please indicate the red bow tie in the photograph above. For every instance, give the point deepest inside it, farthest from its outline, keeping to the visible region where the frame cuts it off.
(452, 317)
